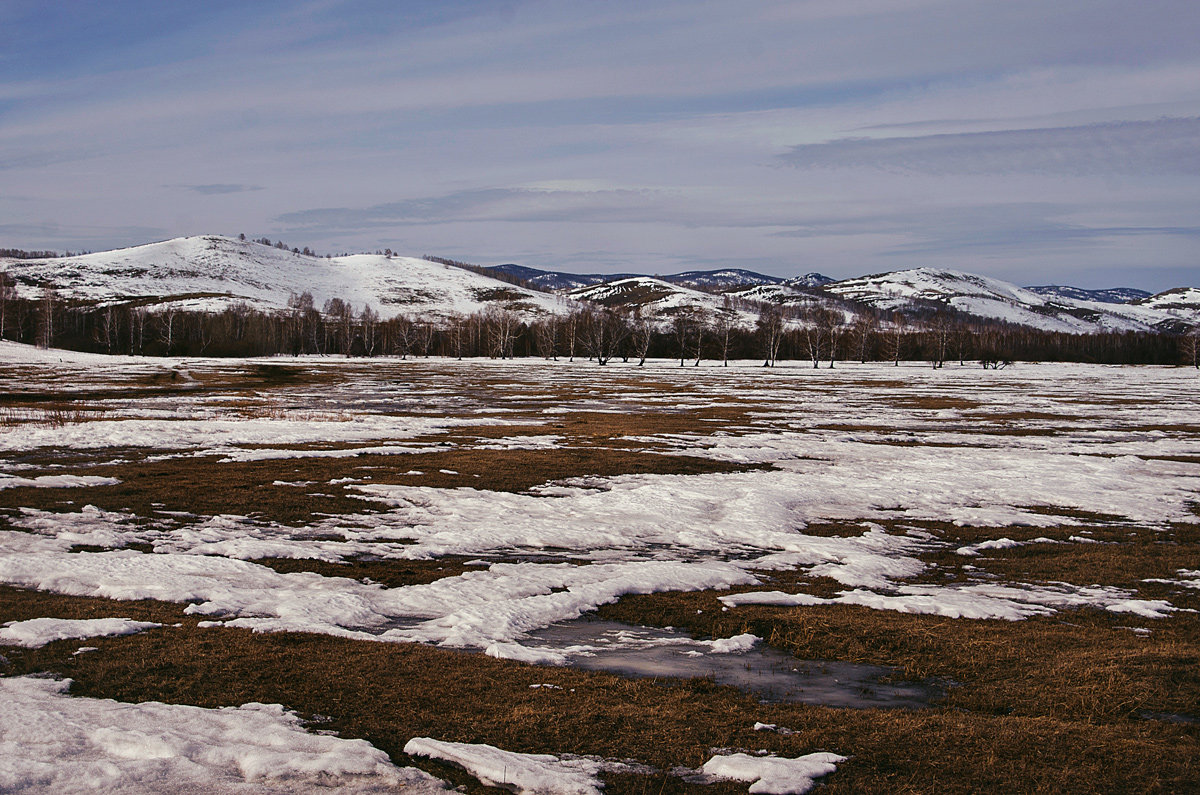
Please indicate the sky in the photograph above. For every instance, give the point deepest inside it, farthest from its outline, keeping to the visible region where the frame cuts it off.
(1036, 142)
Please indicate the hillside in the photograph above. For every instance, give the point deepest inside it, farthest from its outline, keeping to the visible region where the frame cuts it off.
(1183, 301)
(660, 300)
(985, 297)
(209, 273)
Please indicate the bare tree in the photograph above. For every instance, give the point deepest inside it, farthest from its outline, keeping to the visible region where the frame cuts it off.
(546, 338)
(424, 338)
(700, 324)
(369, 323)
(862, 332)
(681, 327)
(300, 314)
(962, 337)
(834, 322)
(572, 328)
(894, 340)
(166, 326)
(642, 332)
(770, 333)
(725, 325)
(457, 331)
(137, 329)
(604, 330)
(502, 326)
(940, 331)
(1189, 347)
(47, 306)
(106, 329)
(8, 291)
(403, 334)
(818, 323)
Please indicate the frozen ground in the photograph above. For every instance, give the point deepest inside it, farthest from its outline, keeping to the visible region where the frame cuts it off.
(842, 476)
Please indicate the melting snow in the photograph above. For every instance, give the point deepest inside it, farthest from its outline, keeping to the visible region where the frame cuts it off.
(772, 774)
(534, 774)
(39, 631)
(51, 742)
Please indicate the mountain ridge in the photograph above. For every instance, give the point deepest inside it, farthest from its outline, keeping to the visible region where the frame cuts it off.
(211, 272)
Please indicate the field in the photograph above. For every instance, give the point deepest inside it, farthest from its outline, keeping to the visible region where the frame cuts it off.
(387, 548)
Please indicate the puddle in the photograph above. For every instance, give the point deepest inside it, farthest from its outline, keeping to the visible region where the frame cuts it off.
(768, 673)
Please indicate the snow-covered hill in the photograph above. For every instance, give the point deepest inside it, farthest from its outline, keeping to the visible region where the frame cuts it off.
(209, 273)
(720, 279)
(1182, 301)
(661, 300)
(809, 280)
(983, 296)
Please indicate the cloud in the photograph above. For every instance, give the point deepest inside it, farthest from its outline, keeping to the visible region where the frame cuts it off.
(1162, 147)
(220, 188)
(529, 205)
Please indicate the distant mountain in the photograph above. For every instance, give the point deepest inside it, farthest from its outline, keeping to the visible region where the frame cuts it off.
(1113, 295)
(723, 279)
(982, 296)
(556, 280)
(809, 280)
(211, 272)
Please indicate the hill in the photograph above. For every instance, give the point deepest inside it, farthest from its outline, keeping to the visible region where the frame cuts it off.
(209, 273)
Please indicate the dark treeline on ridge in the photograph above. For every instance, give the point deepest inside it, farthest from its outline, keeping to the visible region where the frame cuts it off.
(818, 336)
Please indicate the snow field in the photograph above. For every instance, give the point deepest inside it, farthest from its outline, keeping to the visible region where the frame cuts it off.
(642, 533)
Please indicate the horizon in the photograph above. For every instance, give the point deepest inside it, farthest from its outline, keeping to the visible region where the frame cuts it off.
(297, 250)
(1036, 145)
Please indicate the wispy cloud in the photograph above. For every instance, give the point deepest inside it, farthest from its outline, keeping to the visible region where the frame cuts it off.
(220, 188)
(657, 135)
(1169, 147)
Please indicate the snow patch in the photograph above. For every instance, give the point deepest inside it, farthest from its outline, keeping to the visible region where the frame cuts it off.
(39, 631)
(52, 742)
(531, 774)
(771, 774)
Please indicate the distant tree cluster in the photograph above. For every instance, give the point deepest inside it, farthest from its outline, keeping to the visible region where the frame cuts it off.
(18, 253)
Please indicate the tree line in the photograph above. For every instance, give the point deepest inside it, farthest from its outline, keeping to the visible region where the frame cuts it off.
(817, 335)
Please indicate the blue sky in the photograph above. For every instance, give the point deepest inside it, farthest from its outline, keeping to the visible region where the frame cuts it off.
(1035, 142)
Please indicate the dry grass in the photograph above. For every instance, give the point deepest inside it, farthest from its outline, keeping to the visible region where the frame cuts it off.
(207, 487)
(388, 693)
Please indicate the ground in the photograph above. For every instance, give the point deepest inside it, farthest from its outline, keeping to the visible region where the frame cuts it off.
(344, 537)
